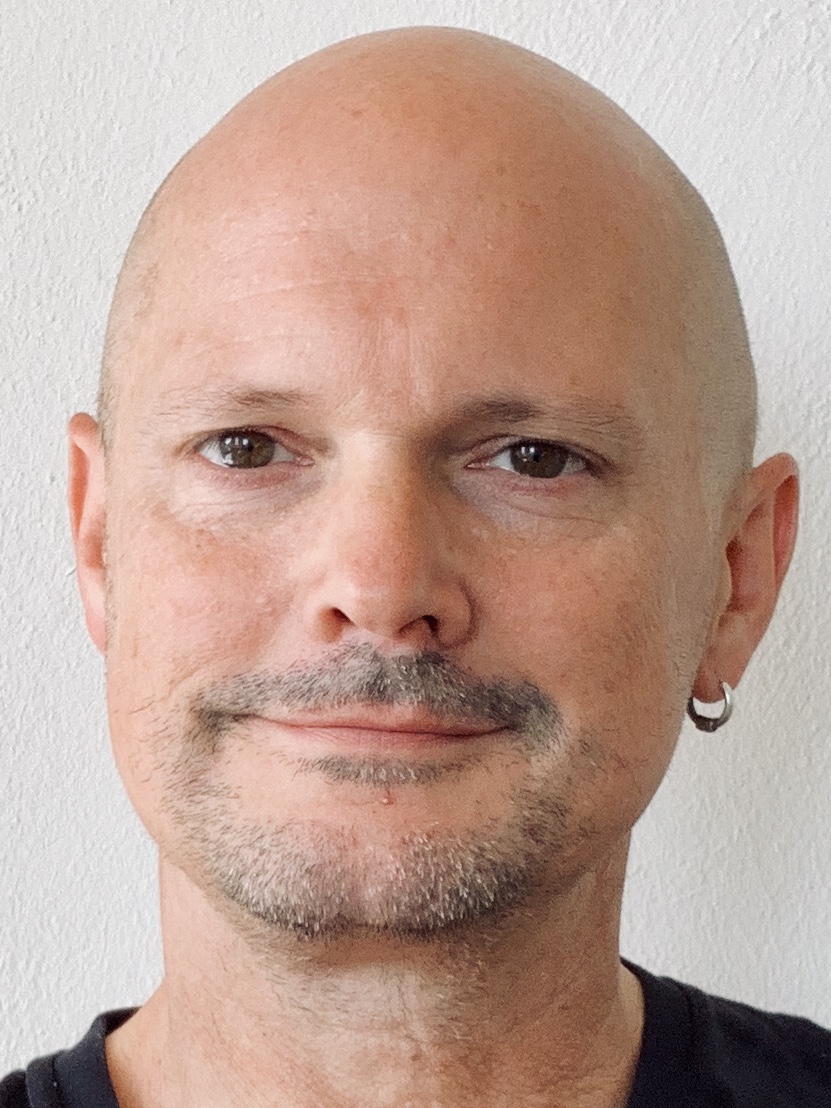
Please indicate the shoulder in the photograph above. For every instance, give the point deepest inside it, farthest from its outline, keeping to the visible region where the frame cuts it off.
(13, 1091)
(715, 1051)
(76, 1078)
(770, 1046)
(34, 1087)
(769, 1039)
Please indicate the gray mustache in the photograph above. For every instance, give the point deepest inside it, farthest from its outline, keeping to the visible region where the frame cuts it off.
(360, 675)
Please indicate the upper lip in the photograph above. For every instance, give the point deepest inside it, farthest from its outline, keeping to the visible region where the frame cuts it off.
(382, 720)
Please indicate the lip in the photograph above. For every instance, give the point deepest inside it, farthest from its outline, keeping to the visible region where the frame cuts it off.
(383, 728)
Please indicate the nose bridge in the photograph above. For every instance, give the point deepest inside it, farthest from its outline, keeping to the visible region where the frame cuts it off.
(385, 563)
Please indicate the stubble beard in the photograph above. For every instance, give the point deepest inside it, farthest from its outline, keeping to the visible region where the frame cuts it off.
(307, 879)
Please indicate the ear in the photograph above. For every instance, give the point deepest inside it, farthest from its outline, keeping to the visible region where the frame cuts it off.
(87, 515)
(757, 554)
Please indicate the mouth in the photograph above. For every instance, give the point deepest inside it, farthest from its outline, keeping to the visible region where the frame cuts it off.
(378, 728)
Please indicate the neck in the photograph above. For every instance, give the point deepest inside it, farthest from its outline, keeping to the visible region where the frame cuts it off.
(535, 1011)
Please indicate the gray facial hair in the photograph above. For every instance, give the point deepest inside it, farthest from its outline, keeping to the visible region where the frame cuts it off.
(305, 879)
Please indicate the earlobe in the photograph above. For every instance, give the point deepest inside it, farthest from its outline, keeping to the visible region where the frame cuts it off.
(757, 554)
(87, 517)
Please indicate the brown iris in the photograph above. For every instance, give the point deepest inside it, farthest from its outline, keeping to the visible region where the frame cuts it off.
(539, 459)
(245, 449)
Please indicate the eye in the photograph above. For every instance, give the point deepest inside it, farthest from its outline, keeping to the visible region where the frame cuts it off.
(538, 459)
(244, 449)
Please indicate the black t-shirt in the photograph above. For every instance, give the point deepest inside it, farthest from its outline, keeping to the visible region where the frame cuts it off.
(698, 1052)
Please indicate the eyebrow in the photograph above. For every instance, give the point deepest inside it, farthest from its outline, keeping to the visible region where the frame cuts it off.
(516, 409)
(576, 415)
(210, 401)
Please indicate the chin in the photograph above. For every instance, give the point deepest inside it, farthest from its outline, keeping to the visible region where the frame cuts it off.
(319, 883)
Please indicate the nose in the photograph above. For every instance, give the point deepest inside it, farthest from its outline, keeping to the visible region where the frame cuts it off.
(383, 564)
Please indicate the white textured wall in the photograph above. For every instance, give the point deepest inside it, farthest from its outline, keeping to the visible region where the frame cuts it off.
(730, 873)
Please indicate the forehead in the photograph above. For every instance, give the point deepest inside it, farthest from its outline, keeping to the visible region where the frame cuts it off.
(425, 276)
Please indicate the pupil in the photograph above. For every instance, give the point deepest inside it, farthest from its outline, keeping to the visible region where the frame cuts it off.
(246, 450)
(536, 459)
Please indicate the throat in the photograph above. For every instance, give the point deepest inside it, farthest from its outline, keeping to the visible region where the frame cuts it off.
(537, 1004)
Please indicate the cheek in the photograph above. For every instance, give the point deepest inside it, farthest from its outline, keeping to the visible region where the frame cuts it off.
(601, 627)
(188, 604)
(603, 633)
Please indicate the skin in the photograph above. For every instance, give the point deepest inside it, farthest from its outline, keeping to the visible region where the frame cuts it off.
(358, 261)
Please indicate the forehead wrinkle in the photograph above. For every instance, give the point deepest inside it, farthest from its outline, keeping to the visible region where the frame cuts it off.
(304, 283)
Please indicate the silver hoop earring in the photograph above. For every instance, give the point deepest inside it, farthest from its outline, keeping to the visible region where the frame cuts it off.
(712, 723)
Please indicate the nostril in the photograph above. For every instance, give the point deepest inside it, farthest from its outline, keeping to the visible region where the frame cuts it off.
(432, 623)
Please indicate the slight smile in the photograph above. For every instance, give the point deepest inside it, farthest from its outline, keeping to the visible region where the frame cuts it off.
(377, 729)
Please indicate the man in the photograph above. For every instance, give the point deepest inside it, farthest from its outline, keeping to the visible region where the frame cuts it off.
(420, 508)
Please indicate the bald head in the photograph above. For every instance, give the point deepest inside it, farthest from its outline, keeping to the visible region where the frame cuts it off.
(485, 143)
